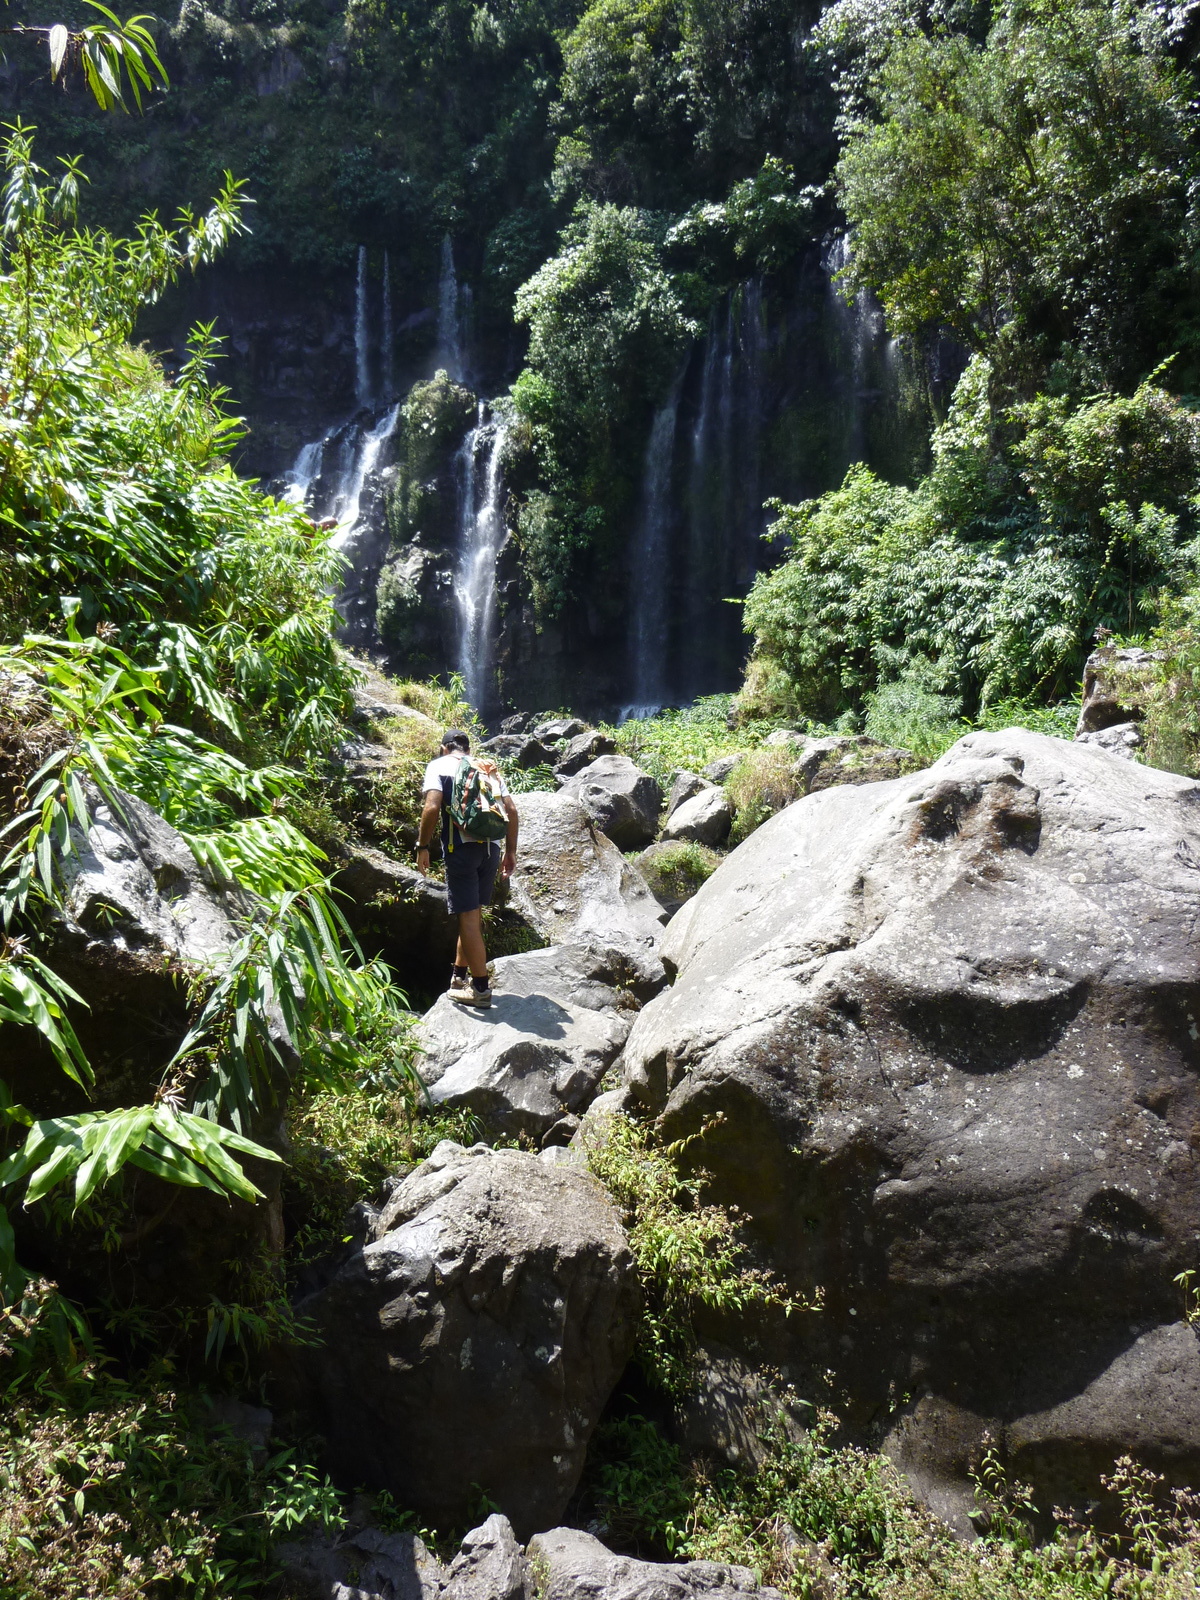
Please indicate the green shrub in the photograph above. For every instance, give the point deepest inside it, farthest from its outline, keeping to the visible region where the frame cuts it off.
(1035, 528)
(679, 869)
(689, 1254)
(118, 1488)
(761, 784)
(912, 713)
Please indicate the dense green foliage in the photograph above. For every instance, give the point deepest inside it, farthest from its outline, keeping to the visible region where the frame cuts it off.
(1033, 191)
(167, 634)
(989, 580)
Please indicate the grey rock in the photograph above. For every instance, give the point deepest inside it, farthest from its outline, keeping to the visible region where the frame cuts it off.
(557, 1022)
(1123, 739)
(951, 1016)
(515, 724)
(363, 760)
(560, 728)
(572, 885)
(686, 785)
(570, 1565)
(251, 1424)
(137, 911)
(504, 745)
(621, 799)
(399, 915)
(364, 1565)
(473, 1344)
(704, 819)
(490, 1566)
(844, 758)
(729, 1409)
(785, 737)
(582, 750)
(717, 771)
(533, 753)
(670, 875)
(1114, 687)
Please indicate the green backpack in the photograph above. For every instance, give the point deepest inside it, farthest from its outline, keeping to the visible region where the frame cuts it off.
(477, 802)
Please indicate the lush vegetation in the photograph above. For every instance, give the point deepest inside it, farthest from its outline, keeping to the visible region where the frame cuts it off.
(1024, 185)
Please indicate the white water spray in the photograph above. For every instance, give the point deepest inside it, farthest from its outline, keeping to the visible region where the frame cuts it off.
(481, 533)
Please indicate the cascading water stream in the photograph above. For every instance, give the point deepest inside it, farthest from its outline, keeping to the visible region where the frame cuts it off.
(362, 460)
(481, 533)
(362, 366)
(650, 564)
(389, 333)
(449, 327)
(305, 470)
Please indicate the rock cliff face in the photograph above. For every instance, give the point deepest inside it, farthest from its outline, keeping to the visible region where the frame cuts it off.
(950, 1022)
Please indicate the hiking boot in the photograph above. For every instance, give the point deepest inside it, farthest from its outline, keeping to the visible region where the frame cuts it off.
(469, 995)
(457, 984)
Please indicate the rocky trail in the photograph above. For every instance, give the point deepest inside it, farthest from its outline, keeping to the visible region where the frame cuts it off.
(934, 1036)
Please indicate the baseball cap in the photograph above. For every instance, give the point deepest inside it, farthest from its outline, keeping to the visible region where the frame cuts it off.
(455, 736)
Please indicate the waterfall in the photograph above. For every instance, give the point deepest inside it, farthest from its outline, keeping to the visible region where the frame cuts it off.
(860, 324)
(389, 333)
(360, 457)
(481, 533)
(303, 473)
(650, 564)
(362, 371)
(449, 325)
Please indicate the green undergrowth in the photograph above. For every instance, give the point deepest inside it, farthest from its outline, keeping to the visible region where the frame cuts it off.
(123, 1487)
(679, 869)
(834, 1521)
(691, 1255)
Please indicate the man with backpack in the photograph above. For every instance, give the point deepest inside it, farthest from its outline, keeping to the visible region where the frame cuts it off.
(476, 811)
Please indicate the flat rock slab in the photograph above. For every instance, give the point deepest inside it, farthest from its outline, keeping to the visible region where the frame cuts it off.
(570, 1565)
(951, 1023)
(473, 1343)
(572, 885)
(557, 1022)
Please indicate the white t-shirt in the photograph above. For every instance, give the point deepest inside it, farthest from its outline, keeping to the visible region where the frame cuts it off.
(446, 767)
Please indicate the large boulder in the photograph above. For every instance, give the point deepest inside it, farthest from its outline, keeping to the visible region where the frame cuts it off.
(138, 916)
(936, 1036)
(557, 1023)
(621, 799)
(1115, 685)
(399, 915)
(396, 913)
(368, 1564)
(704, 819)
(573, 885)
(570, 1565)
(582, 750)
(473, 1343)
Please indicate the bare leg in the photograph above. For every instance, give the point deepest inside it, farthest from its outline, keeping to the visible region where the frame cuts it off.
(471, 952)
(460, 955)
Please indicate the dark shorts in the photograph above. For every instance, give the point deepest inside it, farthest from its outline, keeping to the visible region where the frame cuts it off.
(470, 873)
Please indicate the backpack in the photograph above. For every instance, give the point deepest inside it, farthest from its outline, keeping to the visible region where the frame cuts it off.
(477, 807)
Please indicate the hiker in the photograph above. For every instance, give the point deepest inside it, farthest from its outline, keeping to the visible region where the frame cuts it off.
(461, 790)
